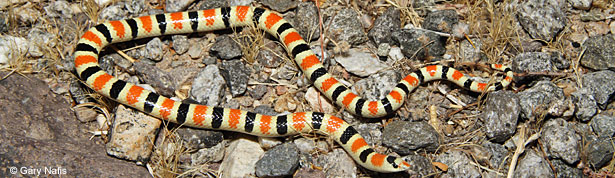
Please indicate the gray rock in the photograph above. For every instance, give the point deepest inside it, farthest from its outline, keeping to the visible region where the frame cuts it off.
(458, 164)
(135, 7)
(532, 62)
(603, 125)
(4, 24)
(113, 12)
(559, 61)
(240, 2)
(177, 5)
(500, 115)
(471, 52)
(236, 75)
(564, 170)
(280, 5)
(345, 26)
(542, 19)
(59, 9)
(180, 44)
(208, 155)
(599, 54)
(377, 86)
(208, 86)
(441, 20)
(498, 154)
(404, 136)
(601, 84)
(162, 81)
(208, 60)
(561, 141)
(337, 164)
(212, 4)
(195, 51)
(281, 160)
(258, 91)
(272, 56)
(383, 50)
(419, 165)
(533, 165)
(600, 151)
(132, 135)
(76, 89)
(106, 63)
(199, 138)
(419, 44)
(266, 110)
(225, 48)
(385, 25)
(581, 4)
(153, 50)
(538, 99)
(585, 104)
(361, 63)
(119, 61)
(306, 21)
(240, 158)
(306, 172)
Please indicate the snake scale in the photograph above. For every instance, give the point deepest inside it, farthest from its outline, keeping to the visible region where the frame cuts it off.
(201, 116)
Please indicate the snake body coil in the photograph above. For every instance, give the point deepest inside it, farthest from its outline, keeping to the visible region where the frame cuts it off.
(194, 115)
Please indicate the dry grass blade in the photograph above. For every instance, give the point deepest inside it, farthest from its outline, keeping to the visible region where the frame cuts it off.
(165, 159)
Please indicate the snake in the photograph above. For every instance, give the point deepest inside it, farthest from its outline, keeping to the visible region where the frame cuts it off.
(211, 117)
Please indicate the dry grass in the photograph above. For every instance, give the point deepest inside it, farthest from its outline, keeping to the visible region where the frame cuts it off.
(165, 159)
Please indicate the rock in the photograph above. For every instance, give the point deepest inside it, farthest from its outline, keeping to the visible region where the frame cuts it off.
(59, 9)
(208, 155)
(258, 91)
(419, 44)
(225, 48)
(180, 44)
(395, 54)
(208, 86)
(212, 4)
(601, 84)
(318, 102)
(113, 12)
(195, 51)
(53, 136)
(600, 151)
(306, 21)
(542, 19)
(419, 165)
(11, 47)
(272, 57)
(585, 104)
(377, 86)
(404, 136)
(162, 81)
(240, 158)
(153, 50)
(498, 154)
(603, 125)
(581, 4)
(85, 114)
(471, 52)
(280, 5)
(385, 25)
(383, 50)
(441, 20)
(309, 173)
(266, 110)
(132, 135)
(208, 60)
(177, 5)
(538, 99)
(337, 163)
(561, 141)
(240, 2)
(500, 115)
(199, 138)
(532, 62)
(564, 170)
(346, 26)
(360, 62)
(598, 55)
(458, 164)
(135, 7)
(559, 61)
(532, 165)
(269, 142)
(280, 161)
(236, 75)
